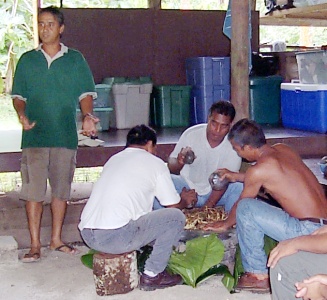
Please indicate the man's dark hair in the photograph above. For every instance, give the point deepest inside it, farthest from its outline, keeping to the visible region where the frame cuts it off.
(247, 132)
(55, 11)
(225, 108)
(140, 135)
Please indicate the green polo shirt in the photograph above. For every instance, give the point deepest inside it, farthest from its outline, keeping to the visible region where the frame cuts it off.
(52, 94)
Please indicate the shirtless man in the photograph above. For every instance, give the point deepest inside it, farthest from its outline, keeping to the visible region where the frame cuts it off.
(281, 173)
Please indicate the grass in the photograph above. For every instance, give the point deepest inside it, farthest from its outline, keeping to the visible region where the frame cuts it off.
(11, 181)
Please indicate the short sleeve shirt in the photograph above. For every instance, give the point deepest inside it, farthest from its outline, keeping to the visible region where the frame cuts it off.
(207, 160)
(126, 189)
(52, 94)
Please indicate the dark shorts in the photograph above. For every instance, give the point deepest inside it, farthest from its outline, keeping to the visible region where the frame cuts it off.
(39, 165)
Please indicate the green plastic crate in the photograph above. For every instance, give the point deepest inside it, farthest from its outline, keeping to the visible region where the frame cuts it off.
(170, 106)
(264, 106)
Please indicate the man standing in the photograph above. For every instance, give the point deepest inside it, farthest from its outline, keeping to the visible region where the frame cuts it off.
(49, 81)
(118, 217)
(212, 151)
(282, 174)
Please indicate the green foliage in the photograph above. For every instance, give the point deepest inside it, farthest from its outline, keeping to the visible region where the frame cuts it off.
(16, 31)
(229, 280)
(200, 255)
(215, 270)
(87, 259)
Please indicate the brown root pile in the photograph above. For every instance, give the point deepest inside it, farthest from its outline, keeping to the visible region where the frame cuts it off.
(196, 218)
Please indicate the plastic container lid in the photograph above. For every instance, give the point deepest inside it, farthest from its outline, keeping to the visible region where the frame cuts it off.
(127, 80)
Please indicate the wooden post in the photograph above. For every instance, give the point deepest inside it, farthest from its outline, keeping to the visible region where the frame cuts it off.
(115, 274)
(240, 58)
(36, 5)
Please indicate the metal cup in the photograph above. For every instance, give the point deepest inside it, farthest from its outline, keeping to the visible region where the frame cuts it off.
(189, 157)
(216, 183)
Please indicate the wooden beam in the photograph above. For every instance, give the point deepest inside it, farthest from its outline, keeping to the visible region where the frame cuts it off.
(314, 15)
(290, 21)
(253, 4)
(240, 58)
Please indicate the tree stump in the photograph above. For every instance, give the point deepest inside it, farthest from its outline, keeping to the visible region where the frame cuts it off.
(115, 274)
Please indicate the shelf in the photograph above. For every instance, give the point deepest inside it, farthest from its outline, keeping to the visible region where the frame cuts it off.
(315, 15)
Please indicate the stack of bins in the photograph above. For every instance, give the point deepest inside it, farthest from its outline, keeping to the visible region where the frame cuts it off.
(101, 107)
(304, 103)
(210, 81)
(131, 98)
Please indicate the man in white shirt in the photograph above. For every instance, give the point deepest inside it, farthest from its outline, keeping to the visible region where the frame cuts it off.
(118, 217)
(212, 151)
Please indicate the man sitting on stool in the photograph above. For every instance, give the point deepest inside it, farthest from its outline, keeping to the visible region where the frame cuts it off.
(118, 217)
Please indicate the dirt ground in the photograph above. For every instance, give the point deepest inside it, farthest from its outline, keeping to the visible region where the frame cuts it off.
(59, 276)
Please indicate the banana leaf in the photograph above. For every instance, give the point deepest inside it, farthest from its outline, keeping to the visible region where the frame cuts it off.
(200, 255)
(87, 259)
(269, 244)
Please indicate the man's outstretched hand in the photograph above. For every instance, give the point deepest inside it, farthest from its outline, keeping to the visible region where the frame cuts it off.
(219, 226)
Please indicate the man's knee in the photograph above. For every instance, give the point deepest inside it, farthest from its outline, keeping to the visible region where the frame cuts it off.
(244, 206)
(177, 215)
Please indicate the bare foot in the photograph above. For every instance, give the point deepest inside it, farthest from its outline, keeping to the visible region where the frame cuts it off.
(32, 256)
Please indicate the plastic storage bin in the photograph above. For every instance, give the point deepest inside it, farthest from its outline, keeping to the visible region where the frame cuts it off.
(202, 97)
(131, 102)
(102, 113)
(312, 66)
(103, 92)
(304, 106)
(264, 104)
(170, 106)
(208, 70)
(121, 80)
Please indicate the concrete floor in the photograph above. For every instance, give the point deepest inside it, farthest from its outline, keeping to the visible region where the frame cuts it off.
(59, 276)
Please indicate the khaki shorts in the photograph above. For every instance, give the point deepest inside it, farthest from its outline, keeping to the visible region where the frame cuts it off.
(40, 164)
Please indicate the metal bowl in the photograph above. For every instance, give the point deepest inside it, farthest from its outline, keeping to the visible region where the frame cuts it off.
(189, 157)
(216, 183)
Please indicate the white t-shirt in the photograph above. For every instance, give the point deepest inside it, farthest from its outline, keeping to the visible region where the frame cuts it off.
(126, 189)
(207, 159)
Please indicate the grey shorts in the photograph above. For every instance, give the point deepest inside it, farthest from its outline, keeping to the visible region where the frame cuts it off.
(40, 164)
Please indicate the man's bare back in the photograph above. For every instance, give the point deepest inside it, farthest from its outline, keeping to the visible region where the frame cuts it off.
(282, 173)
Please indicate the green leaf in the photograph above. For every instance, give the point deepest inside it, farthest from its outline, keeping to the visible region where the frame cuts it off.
(87, 259)
(228, 281)
(215, 270)
(238, 267)
(142, 256)
(200, 255)
(269, 244)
